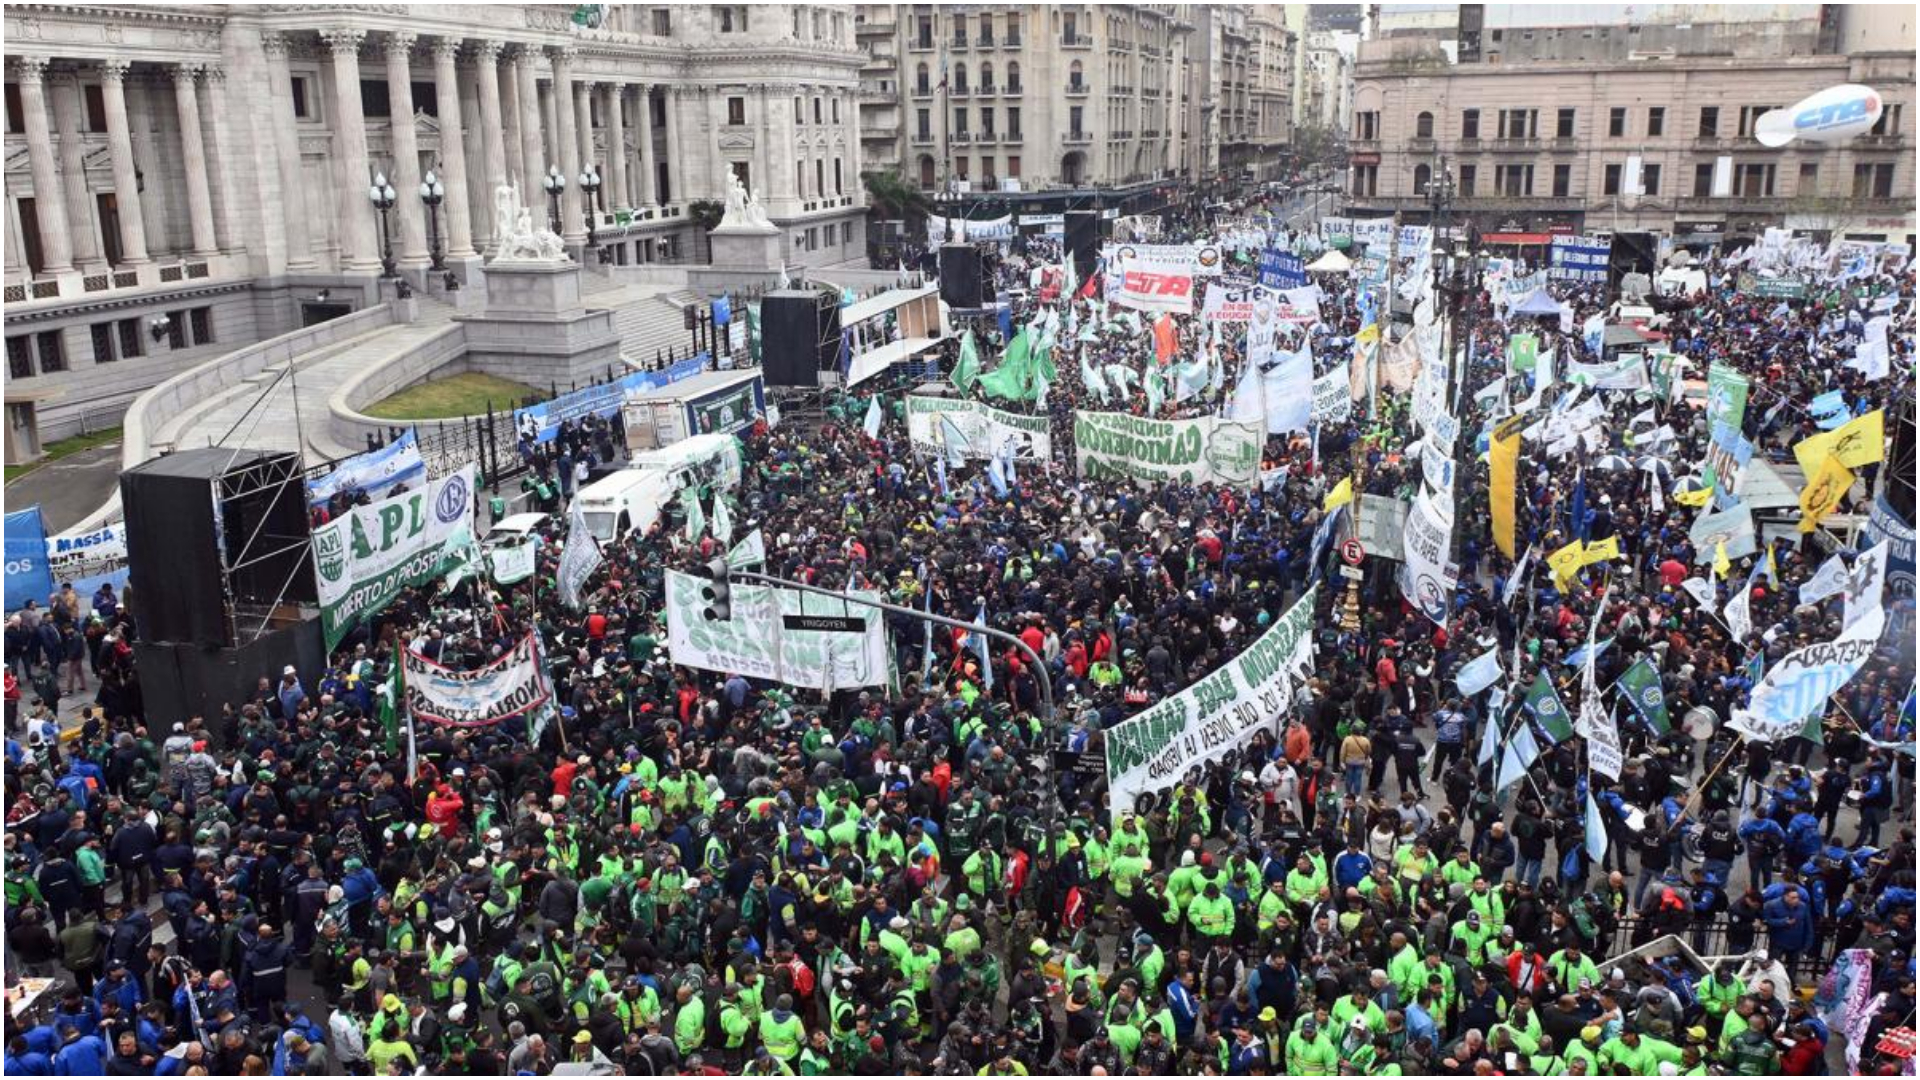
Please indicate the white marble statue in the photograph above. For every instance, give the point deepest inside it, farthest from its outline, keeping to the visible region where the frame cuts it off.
(521, 238)
(734, 210)
(757, 211)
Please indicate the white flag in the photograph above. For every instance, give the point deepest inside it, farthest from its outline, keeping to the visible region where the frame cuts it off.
(1739, 612)
(1479, 673)
(1830, 580)
(872, 424)
(579, 559)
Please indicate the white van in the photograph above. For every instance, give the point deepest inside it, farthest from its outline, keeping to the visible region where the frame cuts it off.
(622, 502)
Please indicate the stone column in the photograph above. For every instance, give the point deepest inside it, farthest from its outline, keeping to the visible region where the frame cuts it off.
(762, 125)
(612, 107)
(213, 124)
(573, 227)
(359, 247)
(453, 148)
(676, 154)
(493, 141)
(533, 159)
(649, 195)
(408, 210)
(781, 190)
(49, 195)
(720, 169)
(583, 91)
(67, 111)
(507, 78)
(126, 182)
(194, 157)
(292, 209)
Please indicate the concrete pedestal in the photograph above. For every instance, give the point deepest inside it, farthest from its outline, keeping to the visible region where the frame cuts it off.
(536, 330)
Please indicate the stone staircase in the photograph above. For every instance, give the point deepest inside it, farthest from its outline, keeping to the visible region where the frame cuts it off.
(648, 321)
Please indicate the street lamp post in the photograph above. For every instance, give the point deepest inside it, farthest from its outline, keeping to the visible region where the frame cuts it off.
(589, 187)
(556, 183)
(433, 193)
(382, 195)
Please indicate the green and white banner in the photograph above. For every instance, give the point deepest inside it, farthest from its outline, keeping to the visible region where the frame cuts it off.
(514, 563)
(755, 644)
(1220, 713)
(985, 428)
(1207, 450)
(363, 559)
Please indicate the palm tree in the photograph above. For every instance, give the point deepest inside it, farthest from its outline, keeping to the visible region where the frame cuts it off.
(705, 215)
(890, 195)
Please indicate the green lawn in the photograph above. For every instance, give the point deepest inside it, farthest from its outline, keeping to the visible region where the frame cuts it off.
(456, 395)
(65, 448)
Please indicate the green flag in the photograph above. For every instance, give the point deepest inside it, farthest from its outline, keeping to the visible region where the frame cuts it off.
(1013, 379)
(1641, 684)
(393, 698)
(1544, 706)
(1043, 360)
(966, 372)
(753, 333)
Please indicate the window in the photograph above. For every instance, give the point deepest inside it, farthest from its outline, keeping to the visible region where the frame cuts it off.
(819, 176)
(1611, 185)
(986, 170)
(16, 121)
(202, 320)
(131, 344)
(1519, 123)
(1013, 31)
(1753, 180)
(1649, 179)
(103, 342)
(1562, 181)
(926, 171)
(375, 99)
(1366, 180)
(986, 120)
(961, 165)
(921, 83)
(1422, 176)
(1709, 121)
(1423, 126)
(1703, 180)
(959, 120)
(52, 356)
(96, 99)
(1074, 116)
(176, 330)
(839, 184)
(736, 111)
(1809, 178)
(1468, 174)
(1617, 121)
(1873, 180)
(1889, 122)
(1656, 121)
(300, 108)
(732, 20)
(923, 32)
(1513, 179)
(1013, 122)
(1563, 124)
(1366, 125)
(1013, 166)
(1750, 115)
(834, 112)
(923, 121)
(662, 22)
(1013, 78)
(19, 351)
(816, 112)
(1470, 123)
(960, 31)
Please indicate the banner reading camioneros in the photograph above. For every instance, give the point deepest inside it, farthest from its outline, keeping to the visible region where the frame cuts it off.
(753, 642)
(986, 428)
(1207, 450)
(363, 559)
(1219, 713)
(505, 688)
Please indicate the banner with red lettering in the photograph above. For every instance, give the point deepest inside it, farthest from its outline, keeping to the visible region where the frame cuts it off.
(1158, 277)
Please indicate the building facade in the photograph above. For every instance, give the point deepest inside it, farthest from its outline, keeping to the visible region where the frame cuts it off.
(1643, 127)
(176, 174)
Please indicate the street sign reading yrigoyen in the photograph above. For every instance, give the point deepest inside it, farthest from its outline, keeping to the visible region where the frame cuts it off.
(838, 624)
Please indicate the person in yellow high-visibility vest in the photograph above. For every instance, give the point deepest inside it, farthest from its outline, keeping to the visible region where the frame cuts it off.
(1211, 914)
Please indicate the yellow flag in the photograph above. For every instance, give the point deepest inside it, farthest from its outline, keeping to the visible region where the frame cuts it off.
(1697, 497)
(1601, 551)
(1860, 441)
(1721, 564)
(1341, 495)
(1503, 460)
(1368, 334)
(1823, 492)
(1567, 562)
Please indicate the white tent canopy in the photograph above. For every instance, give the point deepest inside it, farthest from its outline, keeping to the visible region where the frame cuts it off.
(1331, 263)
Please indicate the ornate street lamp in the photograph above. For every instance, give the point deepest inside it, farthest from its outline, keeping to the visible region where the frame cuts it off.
(555, 183)
(382, 195)
(433, 193)
(589, 187)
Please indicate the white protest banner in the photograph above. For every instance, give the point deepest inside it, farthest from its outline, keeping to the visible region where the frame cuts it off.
(1830, 580)
(505, 688)
(1701, 590)
(1156, 748)
(1436, 467)
(1478, 673)
(365, 557)
(513, 563)
(1603, 737)
(1400, 364)
(1867, 583)
(984, 430)
(1798, 686)
(1427, 584)
(1229, 300)
(87, 560)
(1300, 306)
(1207, 450)
(755, 644)
(579, 559)
(376, 472)
(1732, 527)
(1332, 404)
(1156, 277)
(1289, 390)
(749, 552)
(1739, 613)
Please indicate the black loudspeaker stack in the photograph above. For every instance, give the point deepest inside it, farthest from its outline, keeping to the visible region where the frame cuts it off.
(1082, 230)
(960, 276)
(799, 335)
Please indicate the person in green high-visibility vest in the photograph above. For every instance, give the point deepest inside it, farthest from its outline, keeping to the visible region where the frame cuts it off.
(781, 1032)
(689, 1020)
(1211, 914)
(1310, 1052)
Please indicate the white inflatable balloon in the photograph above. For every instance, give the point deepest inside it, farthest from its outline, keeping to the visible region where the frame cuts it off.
(1833, 115)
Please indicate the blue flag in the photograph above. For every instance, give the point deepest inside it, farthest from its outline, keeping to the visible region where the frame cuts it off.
(1520, 756)
(1596, 830)
(986, 653)
(1577, 510)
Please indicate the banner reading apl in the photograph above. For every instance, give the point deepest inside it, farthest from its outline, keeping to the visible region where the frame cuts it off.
(1214, 716)
(364, 558)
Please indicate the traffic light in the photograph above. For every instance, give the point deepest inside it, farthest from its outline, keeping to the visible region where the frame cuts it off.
(717, 592)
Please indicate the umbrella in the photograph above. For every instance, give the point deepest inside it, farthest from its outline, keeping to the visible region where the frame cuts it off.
(1657, 466)
(1687, 484)
(1613, 463)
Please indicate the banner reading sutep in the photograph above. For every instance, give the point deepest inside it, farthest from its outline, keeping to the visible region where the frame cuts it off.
(1218, 714)
(1207, 450)
(505, 688)
(363, 559)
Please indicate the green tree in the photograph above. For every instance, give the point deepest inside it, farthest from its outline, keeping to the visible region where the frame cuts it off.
(705, 215)
(890, 195)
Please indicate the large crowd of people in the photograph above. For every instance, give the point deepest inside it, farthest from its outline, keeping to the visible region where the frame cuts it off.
(692, 872)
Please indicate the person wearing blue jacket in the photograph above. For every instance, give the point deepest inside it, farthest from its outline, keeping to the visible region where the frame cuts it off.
(1764, 839)
(1876, 797)
(23, 1060)
(80, 1055)
(1789, 919)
